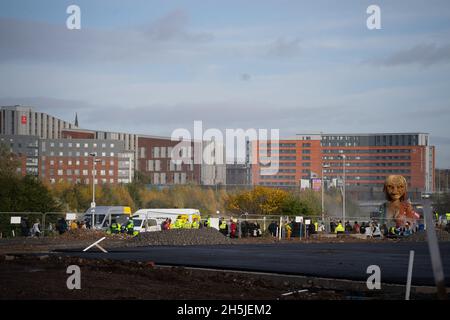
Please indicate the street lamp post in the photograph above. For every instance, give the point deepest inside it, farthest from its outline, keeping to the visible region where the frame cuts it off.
(323, 186)
(94, 162)
(343, 194)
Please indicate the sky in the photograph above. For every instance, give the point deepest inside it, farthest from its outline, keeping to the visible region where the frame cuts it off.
(151, 67)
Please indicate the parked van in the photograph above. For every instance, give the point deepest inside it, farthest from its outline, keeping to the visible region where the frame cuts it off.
(104, 216)
(151, 219)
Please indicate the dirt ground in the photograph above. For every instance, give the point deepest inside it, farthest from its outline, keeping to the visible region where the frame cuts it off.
(33, 277)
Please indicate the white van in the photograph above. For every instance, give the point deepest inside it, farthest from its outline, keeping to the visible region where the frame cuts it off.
(105, 215)
(151, 219)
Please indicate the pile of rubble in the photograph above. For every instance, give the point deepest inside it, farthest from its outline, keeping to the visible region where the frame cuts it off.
(422, 236)
(88, 234)
(180, 237)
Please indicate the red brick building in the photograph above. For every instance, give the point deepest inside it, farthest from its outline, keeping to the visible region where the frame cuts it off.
(369, 159)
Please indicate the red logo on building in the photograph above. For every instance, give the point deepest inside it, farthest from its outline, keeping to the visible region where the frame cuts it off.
(24, 119)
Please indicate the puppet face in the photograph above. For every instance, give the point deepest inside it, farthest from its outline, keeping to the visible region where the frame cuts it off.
(395, 187)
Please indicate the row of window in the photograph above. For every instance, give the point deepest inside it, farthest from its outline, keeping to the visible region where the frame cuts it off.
(338, 171)
(367, 158)
(76, 172)
(86, 162)
(78, 145)
(371, 164)
(78, 154)
(278, 177)
(87, 181)
(155, 165)
(366, 151)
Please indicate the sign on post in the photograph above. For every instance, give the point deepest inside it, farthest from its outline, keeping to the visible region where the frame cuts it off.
(299, 219)
(307, 222)
(214, 223)
(15, 220)
(71, 216)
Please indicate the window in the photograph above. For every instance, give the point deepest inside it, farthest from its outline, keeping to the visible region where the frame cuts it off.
(102, 172)
(76, 172)
(306, 145)
(60, 172)
(85, 172)
(69, 172)
(111, 162)
(52, 144)
(157, 165)
(111, 172)
(85, 162)
(111, 180)
(77, 145)
(69, 162)
(95, 145)
(60, 162)
(103, 145)
(112, 154)
(155, 152)
(52, 162)
(112, 145)
(86, 145)
(61, 145)
(77, 162)
(77, 153)
(69, 144)
(163, 153)
(150, 165)
(306, 158)
(69, 153)
(306, 151)
(103, 154)
(306, 164)
(61, 154)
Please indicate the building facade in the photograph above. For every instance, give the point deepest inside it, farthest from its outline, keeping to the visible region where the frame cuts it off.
(369, 159)
(20, 120)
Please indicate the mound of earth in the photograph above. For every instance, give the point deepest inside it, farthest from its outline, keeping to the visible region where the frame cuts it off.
(422, 236)
(181, 237)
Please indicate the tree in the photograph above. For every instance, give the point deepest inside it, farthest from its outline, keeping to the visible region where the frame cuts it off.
(9, 162)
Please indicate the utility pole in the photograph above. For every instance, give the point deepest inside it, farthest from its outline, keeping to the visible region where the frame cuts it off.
(343, 196)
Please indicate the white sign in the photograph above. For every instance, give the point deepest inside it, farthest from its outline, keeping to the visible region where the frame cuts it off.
(15, 220)
(299, 219)
(307, 221)
(214, 223)
(71, 216)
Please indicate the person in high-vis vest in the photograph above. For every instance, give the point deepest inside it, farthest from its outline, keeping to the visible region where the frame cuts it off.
(179, 223)
(316, 226)
(339, 228)
(195, 224)
(223, 227)
(130, 227)
(115, 227)
(288, 228)
(187, 224)
(447, 217)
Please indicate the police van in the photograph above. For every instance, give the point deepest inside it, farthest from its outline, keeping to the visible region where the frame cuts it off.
(104, 216)
(146, 220)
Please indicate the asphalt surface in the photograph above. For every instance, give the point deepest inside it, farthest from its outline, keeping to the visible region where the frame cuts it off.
(327, 260)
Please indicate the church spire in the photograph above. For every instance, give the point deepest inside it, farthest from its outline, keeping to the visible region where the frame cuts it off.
(76, 119)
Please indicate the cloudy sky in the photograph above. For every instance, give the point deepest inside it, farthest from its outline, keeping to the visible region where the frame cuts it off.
(299, 66)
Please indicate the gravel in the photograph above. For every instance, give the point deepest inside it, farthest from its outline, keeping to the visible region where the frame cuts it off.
(422, 236)
(180, 237)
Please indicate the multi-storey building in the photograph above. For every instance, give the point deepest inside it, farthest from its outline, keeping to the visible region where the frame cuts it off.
(72, 160)
(20, 120)
(27, 150)
(61, 152)
(369, 159)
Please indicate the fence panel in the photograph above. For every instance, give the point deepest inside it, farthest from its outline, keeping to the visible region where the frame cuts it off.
(24, 228)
